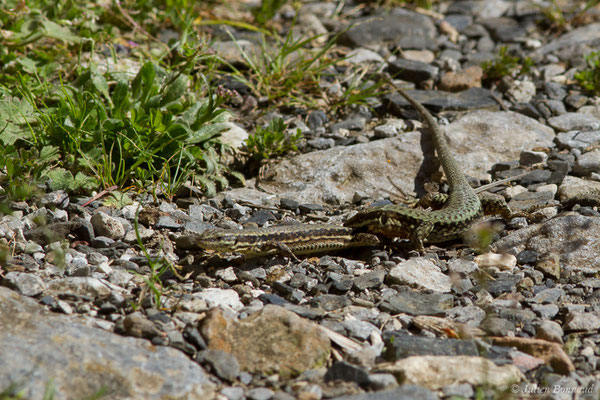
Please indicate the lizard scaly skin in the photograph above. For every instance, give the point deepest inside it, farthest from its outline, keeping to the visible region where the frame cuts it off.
(450, 222)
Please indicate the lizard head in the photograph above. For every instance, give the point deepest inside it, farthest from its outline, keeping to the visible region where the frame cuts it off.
(217, 239)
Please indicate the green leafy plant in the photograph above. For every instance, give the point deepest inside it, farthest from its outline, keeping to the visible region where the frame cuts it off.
(358, 90)
(267, 10)
(426, 4)
(554, 14)
(559, 19)
(13, 391)
(137, 132)
(290, 71)
(162, 128)
(589, 78)
(24, 170)
(272, 141)
(505, 64)
(158, 267)
(117, 200)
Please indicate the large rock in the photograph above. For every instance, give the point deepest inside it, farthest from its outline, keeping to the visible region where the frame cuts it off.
(416, 303)
(38, 347)
(435, 372)
(272, 340)
(483, 138)
(336, 175)
(56, 231)
(421, 273)
(105, 225)
(573, 44)
(399, 346)
(573, 238)
(403, 28)
(550, 352)
(406, 392)
(78, 286)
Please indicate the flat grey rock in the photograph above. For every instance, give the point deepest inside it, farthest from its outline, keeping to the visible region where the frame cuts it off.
(399, 346)
(37, 346)
(578, 321)
(587, 163)
(526, 201)
(76, 286)
(413, 71)
(59, 230)
(575, 190)
(420, 273)
(406, 29)
(417, 370)
(573, 121)
(574, 238)
(437, 100)
(577, 139)
(416, 303)
(504, 29)
(334, 176)
(550, 331)
(405, 392)
(573, 44)
(24, 283)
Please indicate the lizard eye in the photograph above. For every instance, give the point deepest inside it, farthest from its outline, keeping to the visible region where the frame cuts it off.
(384, 220)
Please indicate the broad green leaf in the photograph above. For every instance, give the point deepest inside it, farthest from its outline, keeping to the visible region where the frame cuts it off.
(239, 176)
(120, 95)
(49, 154)
(10, 167)
(85, 183)
(210, 189)
(53, 30)
(60, 178)
(117, 199)
(148, 72)
(99, 82)
(113, 124)
(222, 181)
(179, 130)
(207, 132)
(28, 65)
(189, 115)
(142, 82)
(153, 102)
(175, 90)
(15, 114)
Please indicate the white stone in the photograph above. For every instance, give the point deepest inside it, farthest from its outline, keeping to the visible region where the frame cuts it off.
(60, 215)
(435, 372)
(421, 273)
(234, 136)
(551, 187)
(361, 56)
(105, 225)
(501, 261)
(522, 91)
(227, 274)
(462, 266)
(129, 211)
(215, 297)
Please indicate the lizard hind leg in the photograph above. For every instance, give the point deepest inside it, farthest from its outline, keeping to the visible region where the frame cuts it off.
(419, 234)
(435, 201)
(494, 204)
